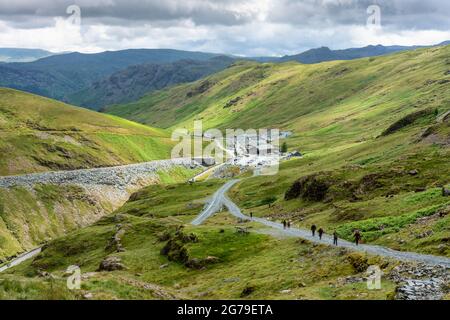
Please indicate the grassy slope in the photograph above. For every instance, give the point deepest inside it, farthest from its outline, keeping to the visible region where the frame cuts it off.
(351, 97)
(336, 125)
(39, 134)
(269, 265)
(337, 112)
(30, 217)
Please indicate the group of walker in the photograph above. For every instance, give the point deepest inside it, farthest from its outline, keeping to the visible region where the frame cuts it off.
(286, 224)
(356, 234)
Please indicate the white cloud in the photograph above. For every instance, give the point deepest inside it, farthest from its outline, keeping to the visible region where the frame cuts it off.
(362, 36)
(243, 27)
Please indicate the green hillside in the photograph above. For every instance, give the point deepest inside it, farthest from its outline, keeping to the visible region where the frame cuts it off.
(256, 266)
(375, 134)
(32, 216)
(353, 96)
(40, 134)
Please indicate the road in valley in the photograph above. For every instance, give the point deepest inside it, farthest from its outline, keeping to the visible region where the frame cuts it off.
(22, 258)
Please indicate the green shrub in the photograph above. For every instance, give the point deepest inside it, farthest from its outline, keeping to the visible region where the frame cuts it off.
(374, 228)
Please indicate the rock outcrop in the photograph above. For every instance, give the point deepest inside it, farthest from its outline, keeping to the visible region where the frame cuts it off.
(111, 264)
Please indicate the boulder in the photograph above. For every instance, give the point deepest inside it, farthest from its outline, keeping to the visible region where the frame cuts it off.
(175, 251)
(111, 264)
(358, 261)
(196, 263)
(211, 260)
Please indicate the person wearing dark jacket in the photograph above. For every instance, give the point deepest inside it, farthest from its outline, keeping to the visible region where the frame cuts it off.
(313, 230)
(335, 238)
(321, 232)
(358, 237)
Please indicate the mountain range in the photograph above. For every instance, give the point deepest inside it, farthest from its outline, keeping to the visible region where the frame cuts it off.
(136, 81)
(97, 80)
(58, 76)
(323, 54)
(22, 55)
(284, 93)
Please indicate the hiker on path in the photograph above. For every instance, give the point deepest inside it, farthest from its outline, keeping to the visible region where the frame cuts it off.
(357, 236)
(313, 230)
(335, 238)
(289, 224)
(321, 232)
(284, 224)
(251, 215)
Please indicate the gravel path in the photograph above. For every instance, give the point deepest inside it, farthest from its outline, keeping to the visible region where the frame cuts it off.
(221, 199)
(214, 205)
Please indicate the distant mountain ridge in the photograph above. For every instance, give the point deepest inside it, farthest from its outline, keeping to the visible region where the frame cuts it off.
(252, 95)
(9, 55)
(136, 81)
(324, 54)
(61, 75)
(90, 80)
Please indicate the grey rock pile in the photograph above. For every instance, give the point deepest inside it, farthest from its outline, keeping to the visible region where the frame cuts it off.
(420, 282)
(119, 177)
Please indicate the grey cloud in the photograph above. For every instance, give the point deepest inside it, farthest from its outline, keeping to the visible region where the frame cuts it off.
(420, 14)
(248, 27)
(201, 12)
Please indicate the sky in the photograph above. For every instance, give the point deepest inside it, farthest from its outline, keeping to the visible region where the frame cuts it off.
(239, 27)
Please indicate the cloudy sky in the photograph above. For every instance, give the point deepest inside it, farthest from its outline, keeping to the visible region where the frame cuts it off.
(241, 27)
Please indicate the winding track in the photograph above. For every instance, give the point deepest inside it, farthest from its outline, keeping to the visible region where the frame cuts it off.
(220, 199)
(22, 258)
(215, 204)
